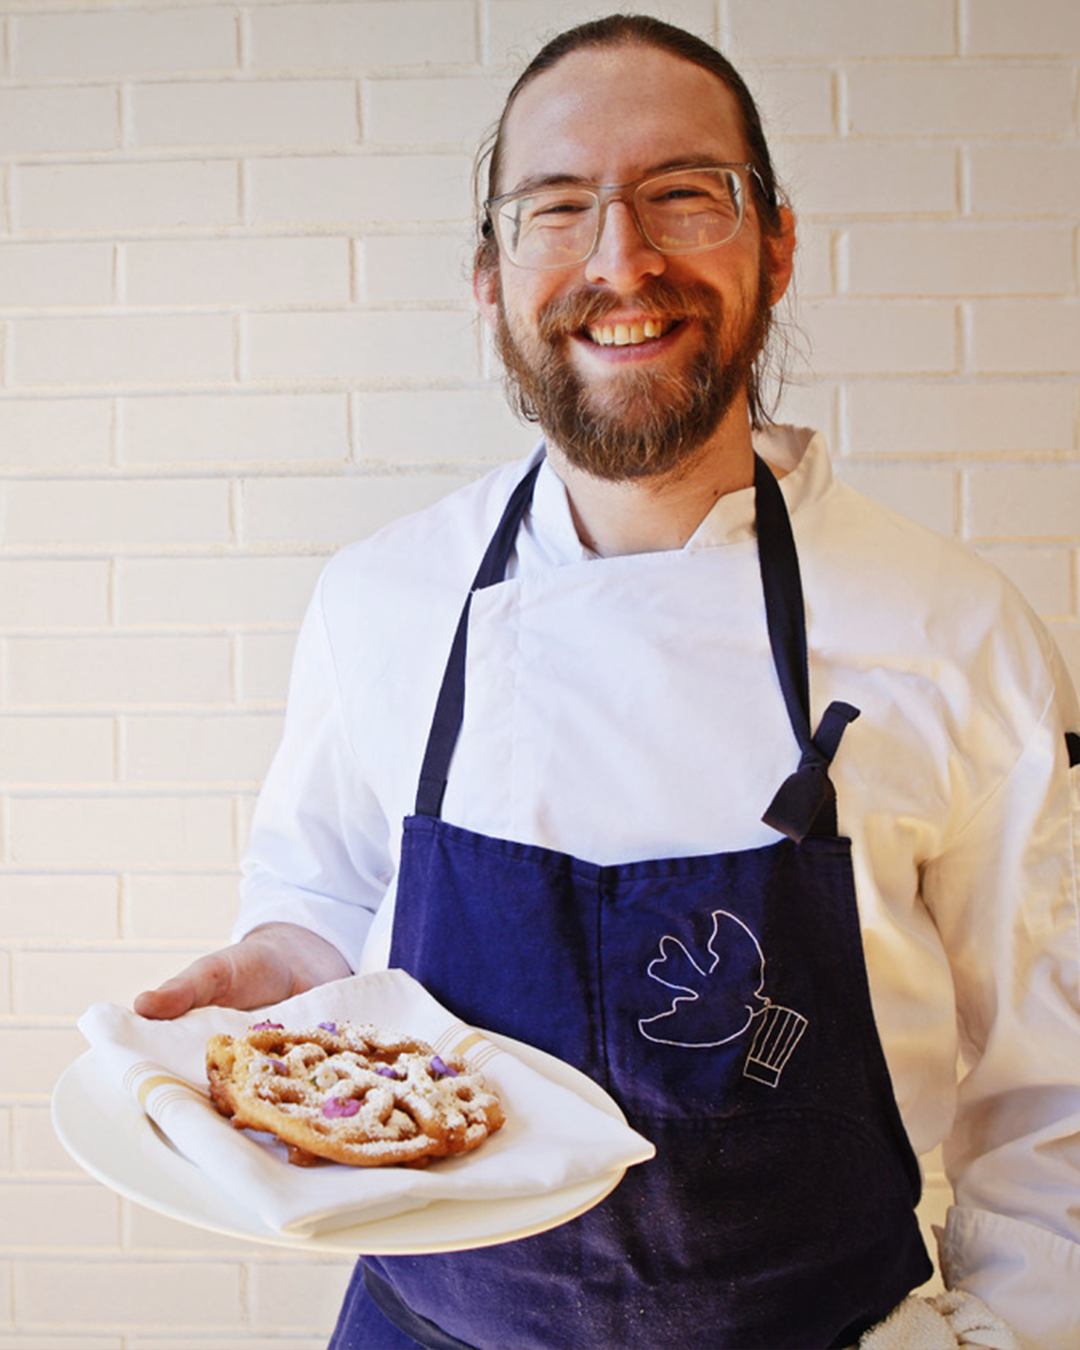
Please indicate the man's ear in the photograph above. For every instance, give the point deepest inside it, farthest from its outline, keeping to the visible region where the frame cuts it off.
(780, 256)
(486, 290)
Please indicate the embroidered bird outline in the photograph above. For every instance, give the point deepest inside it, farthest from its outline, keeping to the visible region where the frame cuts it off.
(720, 997)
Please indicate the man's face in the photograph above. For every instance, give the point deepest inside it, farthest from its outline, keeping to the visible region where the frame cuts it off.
(630, 409)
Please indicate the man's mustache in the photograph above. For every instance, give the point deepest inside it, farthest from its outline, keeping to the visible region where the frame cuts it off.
(658, 299)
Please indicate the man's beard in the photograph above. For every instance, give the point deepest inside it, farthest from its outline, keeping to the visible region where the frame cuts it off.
(638, 423)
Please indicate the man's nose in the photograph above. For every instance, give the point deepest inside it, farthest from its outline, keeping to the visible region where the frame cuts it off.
(623, 257)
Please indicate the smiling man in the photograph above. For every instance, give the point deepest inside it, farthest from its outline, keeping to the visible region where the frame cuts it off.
(672, 756)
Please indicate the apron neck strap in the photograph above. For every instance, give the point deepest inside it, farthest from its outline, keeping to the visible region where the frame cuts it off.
(450, 706)
(806, 802)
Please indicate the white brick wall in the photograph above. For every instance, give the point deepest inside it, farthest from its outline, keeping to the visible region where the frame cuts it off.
(235, 332)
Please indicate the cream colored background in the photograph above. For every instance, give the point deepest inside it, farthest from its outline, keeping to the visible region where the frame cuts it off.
(235, 332)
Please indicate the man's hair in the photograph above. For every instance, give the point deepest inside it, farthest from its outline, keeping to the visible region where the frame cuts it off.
(617, 30)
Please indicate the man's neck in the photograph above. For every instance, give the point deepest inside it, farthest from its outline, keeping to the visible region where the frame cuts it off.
(650, 515)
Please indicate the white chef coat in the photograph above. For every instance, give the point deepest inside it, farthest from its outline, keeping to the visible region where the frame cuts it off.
(668, 736)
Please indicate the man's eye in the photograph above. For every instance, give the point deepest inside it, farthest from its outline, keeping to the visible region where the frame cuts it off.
(558, 209)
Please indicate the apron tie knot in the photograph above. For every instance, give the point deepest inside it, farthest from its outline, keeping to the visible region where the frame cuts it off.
(806, 802)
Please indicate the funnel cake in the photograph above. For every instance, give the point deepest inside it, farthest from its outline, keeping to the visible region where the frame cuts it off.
(351, 1094)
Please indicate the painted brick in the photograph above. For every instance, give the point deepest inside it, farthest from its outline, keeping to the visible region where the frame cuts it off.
(57, 750)
(335, 511)
(923, 493)
(1027, 335)
(126, 197)
(49, 1214)
(246, 112)
(453, 111)
(936, 260)
(35, 1145)
(230, 271)
(36, 1056)
(429, 267)
(209, 748)
(146, 1294)
(1067, 637)
(765, 28)
(121, 831)
(119, 513)
(85, 672)
(1033, 501)
(357, 189)
(6, 1310)
(794, 101)
(362, 345)
(814, 262)
(42, 276)
(847, 178)
(48, 593)
(66, 983)
(181, 908)
(905, 417)
(362, 36)
(809, 404)
(265, 660)
(48, 435)
(139, 42)
(515, 29)
(991, 99)
(1040, 27)
(170, 349)
(290, 1294)
(1025, 180)
(229, 429)
(436, 424)
(58, 908)
(6, 998)
(868, 337)
(7, 1154)
(154, 1234)
(36, 121)
(1043, 575)
(232, 590)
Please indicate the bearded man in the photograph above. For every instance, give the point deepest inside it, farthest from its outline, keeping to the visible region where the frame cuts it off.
(744, 796)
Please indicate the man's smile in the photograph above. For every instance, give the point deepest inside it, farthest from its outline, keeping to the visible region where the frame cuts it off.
(629, 333)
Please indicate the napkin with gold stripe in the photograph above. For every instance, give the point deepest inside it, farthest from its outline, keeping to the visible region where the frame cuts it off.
(553, 1136)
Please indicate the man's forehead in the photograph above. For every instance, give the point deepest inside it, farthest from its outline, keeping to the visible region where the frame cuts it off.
(622, 110)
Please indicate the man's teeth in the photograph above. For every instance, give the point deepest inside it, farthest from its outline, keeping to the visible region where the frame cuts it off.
(626, 334)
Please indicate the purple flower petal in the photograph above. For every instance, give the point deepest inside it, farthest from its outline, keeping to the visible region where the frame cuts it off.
(331, 1027)
(442, 1070)
(279, 1066)
(268, 1026)
(388, 1072)
(338, 1106)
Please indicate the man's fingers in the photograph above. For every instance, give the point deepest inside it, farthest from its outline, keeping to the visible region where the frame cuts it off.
(211, 979)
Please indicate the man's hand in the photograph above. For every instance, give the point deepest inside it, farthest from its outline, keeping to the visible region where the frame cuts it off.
(270, 964)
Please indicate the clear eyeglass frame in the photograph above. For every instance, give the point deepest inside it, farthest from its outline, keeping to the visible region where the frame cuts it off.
(593, 201)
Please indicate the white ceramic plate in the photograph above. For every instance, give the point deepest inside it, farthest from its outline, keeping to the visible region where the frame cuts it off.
(109, 1135)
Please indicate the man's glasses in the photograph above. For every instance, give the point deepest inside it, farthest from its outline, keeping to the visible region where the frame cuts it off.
(680, 211)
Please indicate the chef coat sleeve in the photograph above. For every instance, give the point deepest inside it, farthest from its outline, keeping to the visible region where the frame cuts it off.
(1004, 896)
(318, 853)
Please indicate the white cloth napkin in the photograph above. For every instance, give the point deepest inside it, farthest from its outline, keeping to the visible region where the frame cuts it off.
(552, 1138)
(946, 1321)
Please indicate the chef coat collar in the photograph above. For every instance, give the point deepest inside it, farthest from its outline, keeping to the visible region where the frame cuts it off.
(798, 456)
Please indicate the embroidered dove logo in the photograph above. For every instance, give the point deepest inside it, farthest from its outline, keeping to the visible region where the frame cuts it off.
(717, 997)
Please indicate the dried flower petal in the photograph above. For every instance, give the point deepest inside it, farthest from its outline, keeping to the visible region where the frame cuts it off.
(338, 1106)
(441, 1069)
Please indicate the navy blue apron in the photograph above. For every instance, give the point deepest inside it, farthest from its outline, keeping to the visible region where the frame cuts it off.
(723, 1002)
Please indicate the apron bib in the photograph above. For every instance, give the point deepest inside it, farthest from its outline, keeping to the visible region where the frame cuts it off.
(723, 1002)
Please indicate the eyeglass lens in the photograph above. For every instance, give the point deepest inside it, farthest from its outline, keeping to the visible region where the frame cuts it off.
(680, 212)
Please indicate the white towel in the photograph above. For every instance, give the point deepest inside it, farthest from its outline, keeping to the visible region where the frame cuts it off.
(943, 1322)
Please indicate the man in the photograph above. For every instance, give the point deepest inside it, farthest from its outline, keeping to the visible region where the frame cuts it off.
(630, 840)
